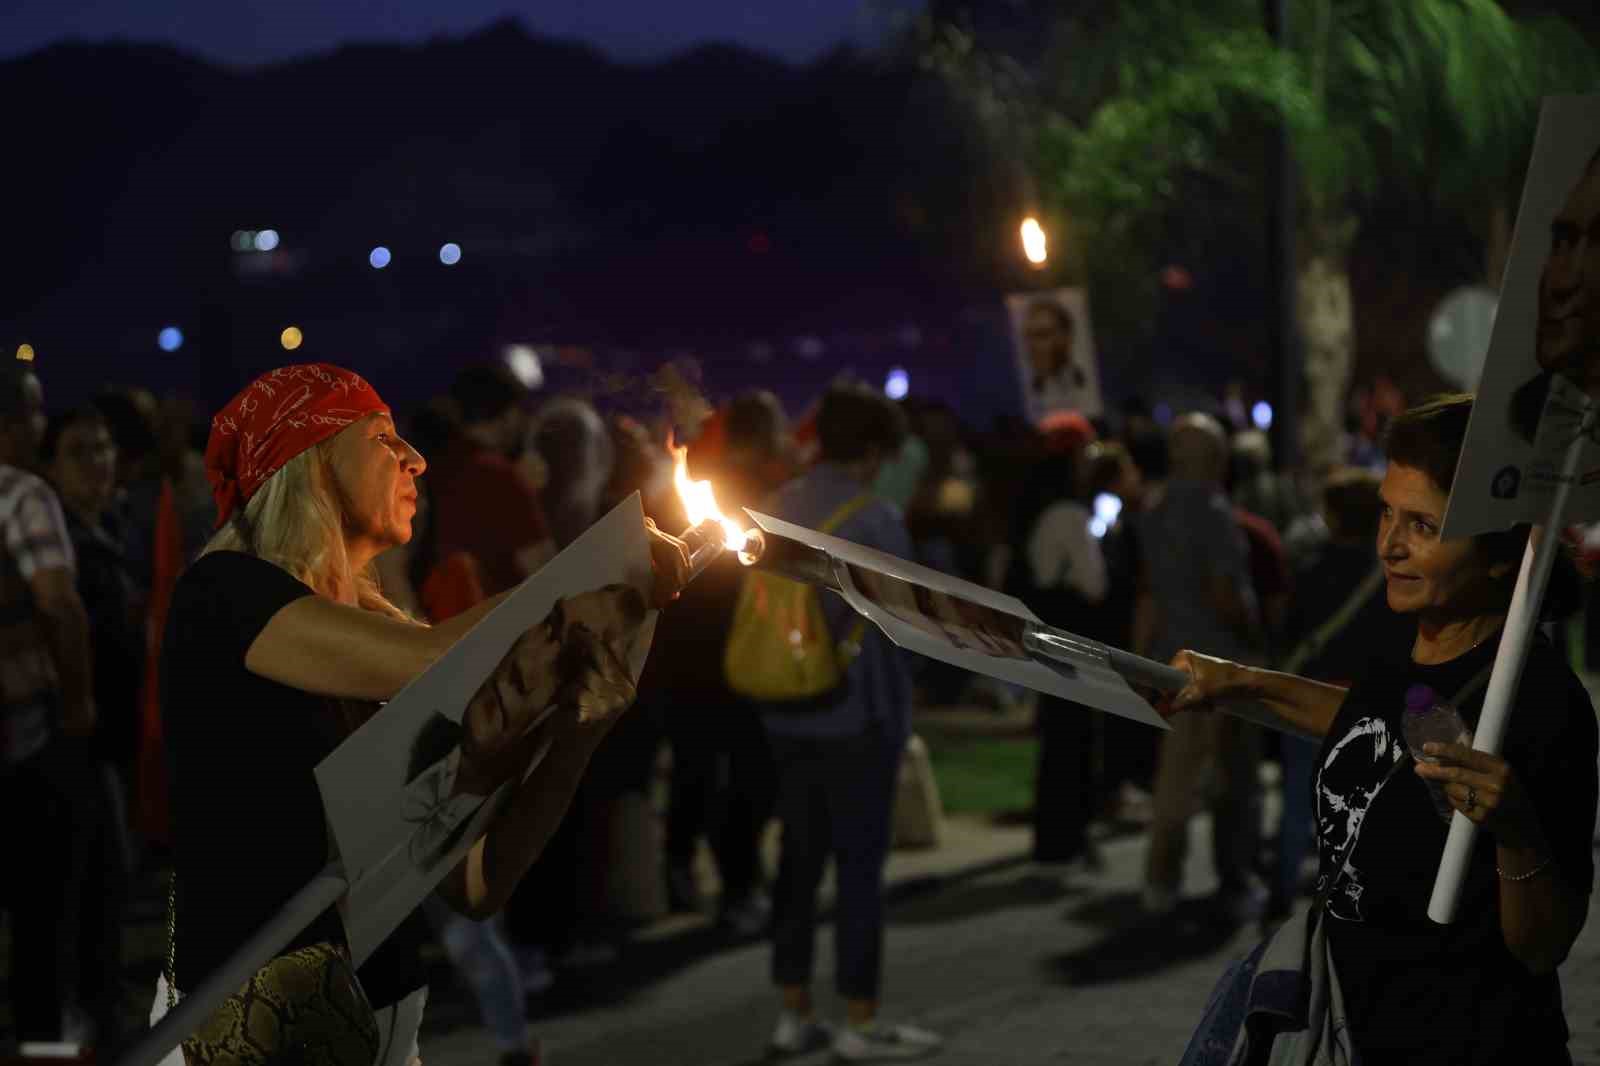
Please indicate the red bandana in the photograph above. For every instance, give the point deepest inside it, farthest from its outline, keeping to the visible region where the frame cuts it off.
(276, 417)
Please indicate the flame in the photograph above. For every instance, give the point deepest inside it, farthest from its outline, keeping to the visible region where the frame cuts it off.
(700, 502)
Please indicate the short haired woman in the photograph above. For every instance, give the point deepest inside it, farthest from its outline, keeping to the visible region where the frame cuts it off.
(1483, 989)
(278, 644)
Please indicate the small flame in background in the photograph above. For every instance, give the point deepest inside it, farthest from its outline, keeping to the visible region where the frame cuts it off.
(700, 502)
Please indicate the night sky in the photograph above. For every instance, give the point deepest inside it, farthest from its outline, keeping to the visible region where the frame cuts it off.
(250, 32)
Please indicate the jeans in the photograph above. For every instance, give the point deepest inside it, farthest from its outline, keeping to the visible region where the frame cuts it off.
(836, 799)
(479, 952)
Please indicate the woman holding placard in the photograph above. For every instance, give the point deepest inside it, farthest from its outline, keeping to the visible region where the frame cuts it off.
(1483, 989)
(279, 643)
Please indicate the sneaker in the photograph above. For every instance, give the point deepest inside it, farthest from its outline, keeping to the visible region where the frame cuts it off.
(880, 1042)
(795, 1035)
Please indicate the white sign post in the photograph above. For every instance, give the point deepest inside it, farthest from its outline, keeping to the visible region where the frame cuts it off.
(1529, 455)
(1509, 659)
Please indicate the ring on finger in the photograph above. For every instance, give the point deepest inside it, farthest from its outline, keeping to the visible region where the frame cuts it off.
(1472, 798)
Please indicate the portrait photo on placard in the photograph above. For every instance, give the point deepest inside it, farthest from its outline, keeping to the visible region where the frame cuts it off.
(1543, 366)
(1053, 343)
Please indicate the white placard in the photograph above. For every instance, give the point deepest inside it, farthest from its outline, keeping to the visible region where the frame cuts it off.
(919, 609)
(387, 790)
(1544, 353)
(1053, 342)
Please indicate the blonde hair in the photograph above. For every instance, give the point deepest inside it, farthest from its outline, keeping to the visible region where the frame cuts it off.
(295, 520)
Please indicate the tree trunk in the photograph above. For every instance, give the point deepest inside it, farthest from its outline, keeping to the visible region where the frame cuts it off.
(1327, 331)
(1497, 248)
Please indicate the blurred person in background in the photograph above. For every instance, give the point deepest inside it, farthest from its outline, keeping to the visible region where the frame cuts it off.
(1338, 621)
(1197, 580)
(722, 783)
(574, 444)
(1127, 748)
(130, 413)
(1057, 569)
(79, 458)
(488, 506)
(838, 765)
(1256, 486)
(47, 724)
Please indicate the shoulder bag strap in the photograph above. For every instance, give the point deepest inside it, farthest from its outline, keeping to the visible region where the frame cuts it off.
(1319, 639)
(172, 941)
(845, 511)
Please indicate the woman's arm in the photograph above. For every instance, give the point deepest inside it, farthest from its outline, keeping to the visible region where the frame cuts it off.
(316, 645)
(599, 690)
(1305, 705)
(1541, 913)
(1540, 917)
(483, 880)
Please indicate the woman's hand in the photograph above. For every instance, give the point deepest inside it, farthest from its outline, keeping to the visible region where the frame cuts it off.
(1485, 788)
(669, 557)
(1210, 679)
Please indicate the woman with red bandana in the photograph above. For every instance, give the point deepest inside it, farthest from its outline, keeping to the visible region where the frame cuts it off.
(279, 643)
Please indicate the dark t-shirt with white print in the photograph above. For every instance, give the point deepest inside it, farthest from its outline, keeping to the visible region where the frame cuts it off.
(1418, 992)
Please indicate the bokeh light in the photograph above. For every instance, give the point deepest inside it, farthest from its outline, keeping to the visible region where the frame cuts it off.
(1107, 509)
(242, 240)
(170, 339)
(379, 257)
(1034, 244)
(1261, 415)
(450, 254)
(25, 352)
(897, 384)
(266, 240)
(291, 338)
(524, 363)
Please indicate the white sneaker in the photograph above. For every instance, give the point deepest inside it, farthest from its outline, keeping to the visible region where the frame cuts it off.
(880, 1042)
(795, 1035)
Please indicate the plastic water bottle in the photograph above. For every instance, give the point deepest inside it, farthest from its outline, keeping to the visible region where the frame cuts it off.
(1428, 720)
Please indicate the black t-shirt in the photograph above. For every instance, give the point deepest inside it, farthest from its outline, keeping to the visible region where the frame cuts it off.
(1418, 992)
(247, 821)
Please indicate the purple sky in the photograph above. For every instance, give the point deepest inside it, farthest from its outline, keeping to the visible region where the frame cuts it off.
(248, 32)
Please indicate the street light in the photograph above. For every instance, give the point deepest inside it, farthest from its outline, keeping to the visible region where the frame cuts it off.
(1033, 242)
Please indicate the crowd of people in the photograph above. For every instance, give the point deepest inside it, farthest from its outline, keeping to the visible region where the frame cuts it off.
(145, 637)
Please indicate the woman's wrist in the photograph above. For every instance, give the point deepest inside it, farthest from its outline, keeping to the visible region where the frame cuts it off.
(1521, 863)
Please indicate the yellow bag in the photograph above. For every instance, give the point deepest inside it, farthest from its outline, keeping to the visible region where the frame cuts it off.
(779, 648)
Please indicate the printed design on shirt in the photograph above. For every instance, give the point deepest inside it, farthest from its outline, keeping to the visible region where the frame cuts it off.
(1347, 782)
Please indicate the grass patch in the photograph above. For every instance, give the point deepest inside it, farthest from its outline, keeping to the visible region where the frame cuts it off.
(984, 775)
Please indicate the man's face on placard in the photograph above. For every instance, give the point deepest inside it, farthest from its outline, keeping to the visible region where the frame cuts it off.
(1569, 288)
(1049, 337)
